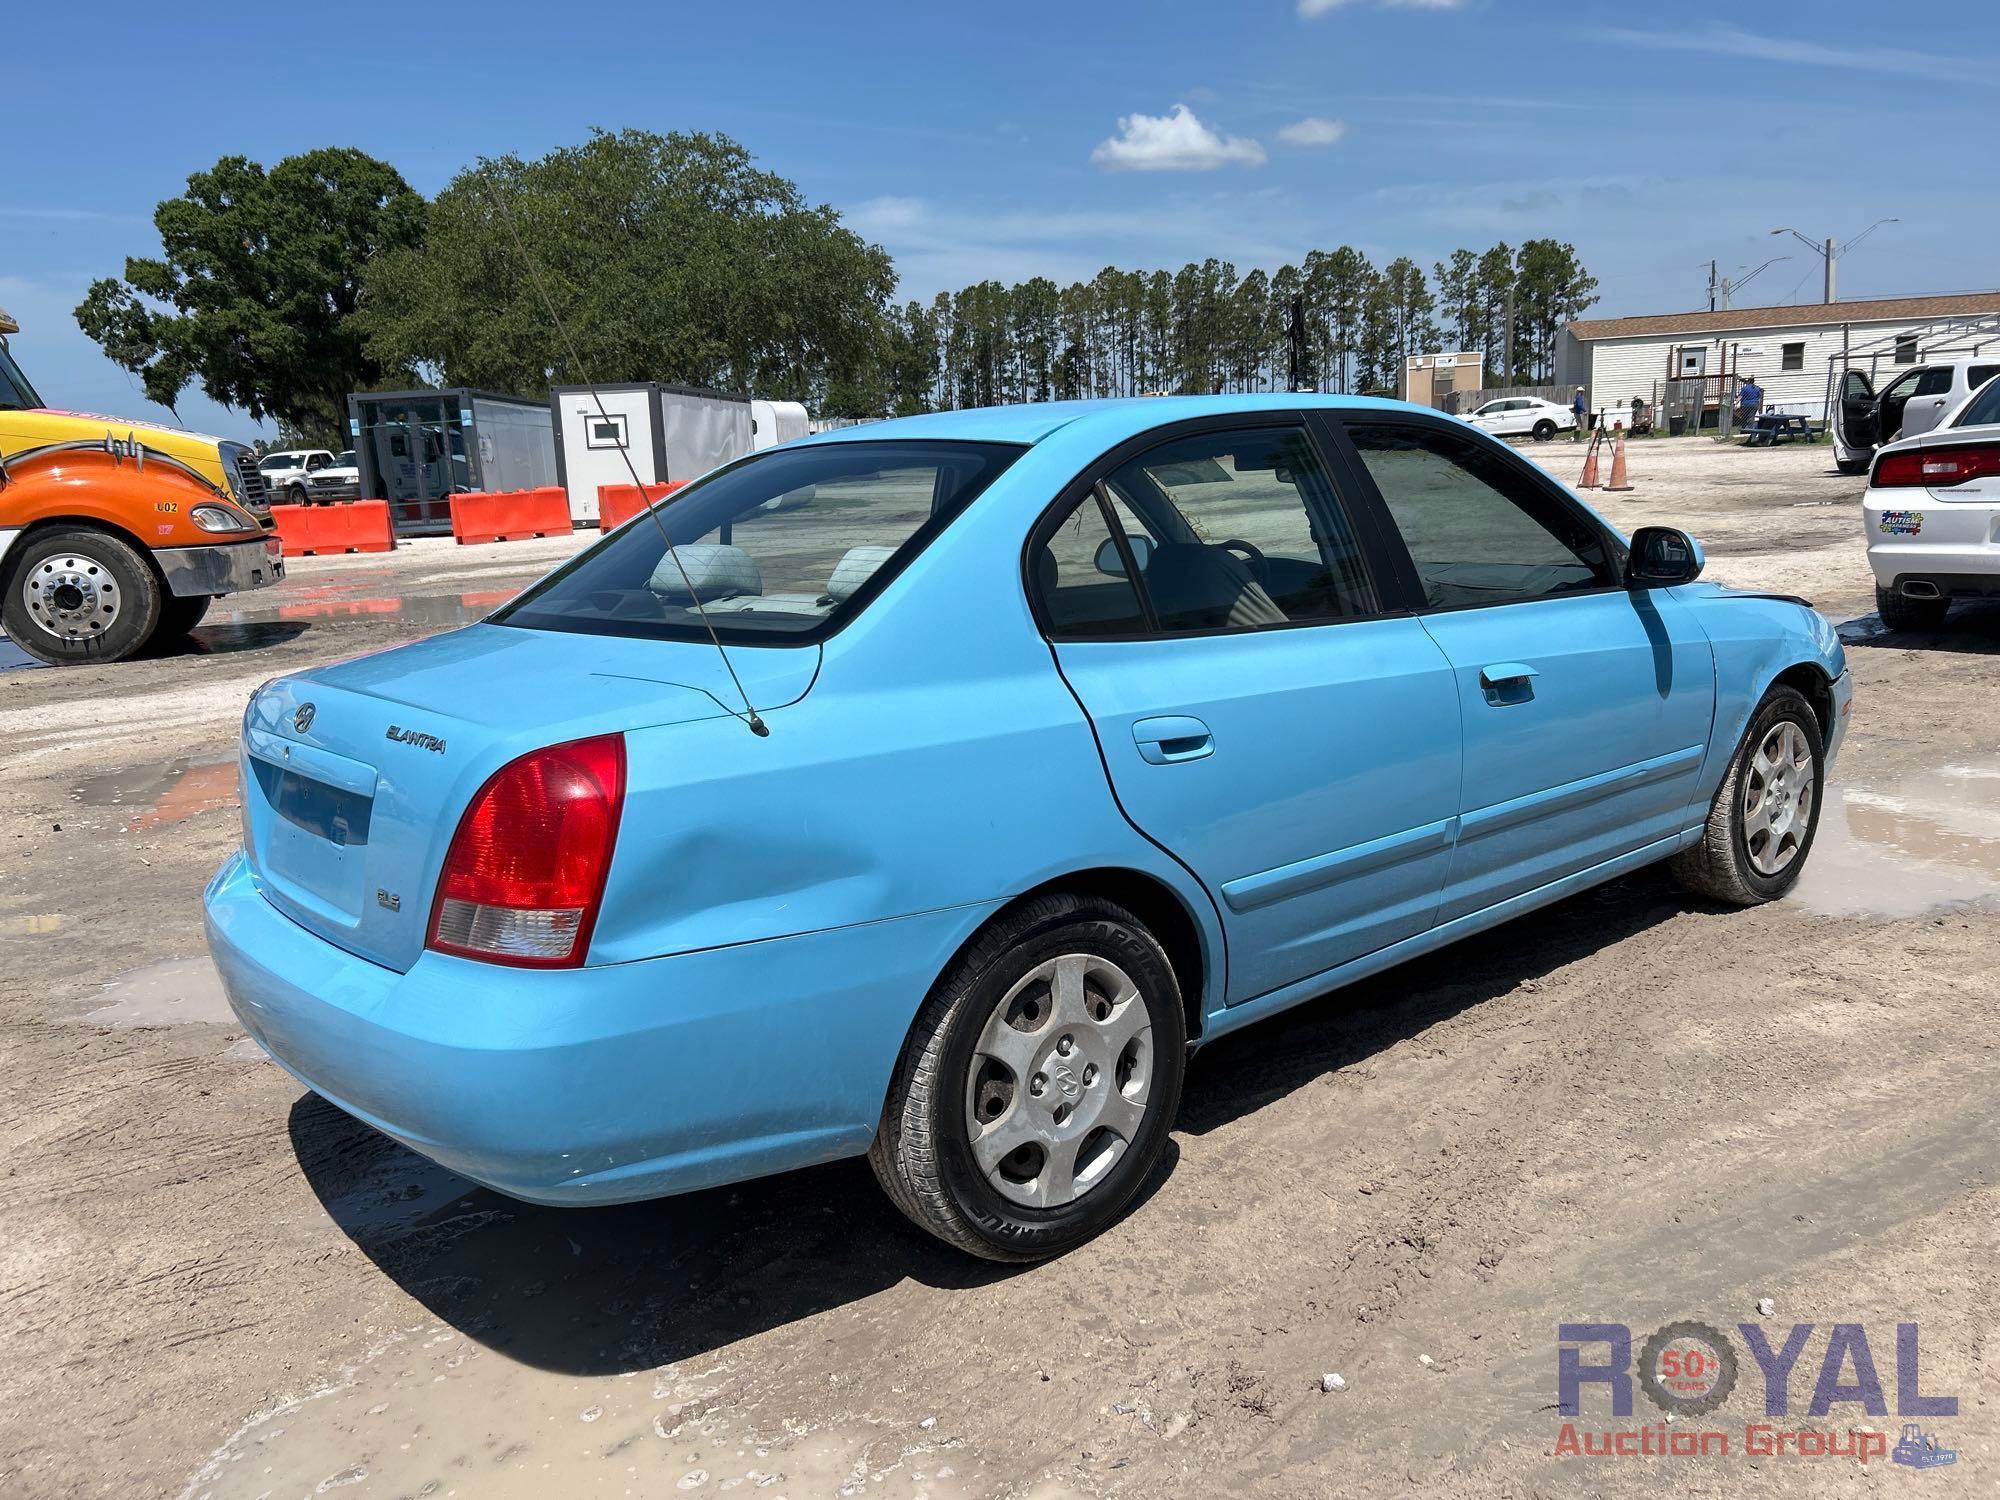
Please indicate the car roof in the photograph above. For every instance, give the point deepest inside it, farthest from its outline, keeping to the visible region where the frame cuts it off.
(1107, 421)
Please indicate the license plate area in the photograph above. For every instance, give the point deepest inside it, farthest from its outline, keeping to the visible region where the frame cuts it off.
(327, 812)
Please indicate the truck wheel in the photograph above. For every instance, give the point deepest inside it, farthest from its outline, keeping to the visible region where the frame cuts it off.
(1039, 1083)
(74, 596)
(1899, 612)
(179, 614)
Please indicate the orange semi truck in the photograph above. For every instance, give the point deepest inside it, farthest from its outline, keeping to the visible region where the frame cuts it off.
(115, 533)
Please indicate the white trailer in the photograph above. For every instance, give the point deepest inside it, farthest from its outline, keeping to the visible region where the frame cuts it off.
(666, 431)
(775, 422)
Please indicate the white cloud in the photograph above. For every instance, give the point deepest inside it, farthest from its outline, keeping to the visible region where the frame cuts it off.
(887, 212)
(1311, 8)
(1733, 41)
(1313, 131)
(1176, 142)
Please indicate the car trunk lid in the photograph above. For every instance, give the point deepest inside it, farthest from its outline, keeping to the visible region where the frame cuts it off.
(355, 775)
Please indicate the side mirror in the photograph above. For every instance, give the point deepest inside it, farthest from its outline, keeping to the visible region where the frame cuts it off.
(1661, 557)
(1111, 563)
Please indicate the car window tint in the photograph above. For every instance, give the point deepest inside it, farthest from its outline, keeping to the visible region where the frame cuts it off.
(1934, 382)
(1246, 532)
(1080, 576)
(1978, 375)
(1904, 387)
(1982, 408)
(1479, 530)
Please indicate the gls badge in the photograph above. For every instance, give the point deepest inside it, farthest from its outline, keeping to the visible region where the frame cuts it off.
(415, 737)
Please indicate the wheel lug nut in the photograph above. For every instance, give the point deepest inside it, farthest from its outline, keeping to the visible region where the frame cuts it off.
(1037, 1084)
(1065, 1046)
(1090, 1074)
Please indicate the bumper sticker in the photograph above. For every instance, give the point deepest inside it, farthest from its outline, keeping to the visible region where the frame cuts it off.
(1901, 522)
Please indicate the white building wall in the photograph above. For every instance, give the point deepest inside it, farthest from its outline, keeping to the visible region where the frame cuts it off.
(1617, 369)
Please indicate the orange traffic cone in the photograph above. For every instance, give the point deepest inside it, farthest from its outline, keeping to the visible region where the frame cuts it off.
(1618, 479)
(1589, 479)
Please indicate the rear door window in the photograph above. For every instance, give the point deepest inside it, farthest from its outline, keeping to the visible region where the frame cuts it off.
(1225, 530)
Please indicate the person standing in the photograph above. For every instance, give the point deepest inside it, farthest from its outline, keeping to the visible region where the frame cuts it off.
(1578, 408)
(1749, 401)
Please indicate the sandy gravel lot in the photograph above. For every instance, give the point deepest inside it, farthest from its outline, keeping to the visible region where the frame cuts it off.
(1629, 1108)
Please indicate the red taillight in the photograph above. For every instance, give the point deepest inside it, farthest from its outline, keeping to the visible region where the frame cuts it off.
(525, 871)
(1936, 468)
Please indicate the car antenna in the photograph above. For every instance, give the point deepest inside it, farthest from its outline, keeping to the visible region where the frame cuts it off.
(749, 715)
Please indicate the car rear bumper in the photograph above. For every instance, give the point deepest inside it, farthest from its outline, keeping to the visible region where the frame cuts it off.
(593, 1085)
(1915, 538)
(222, 567)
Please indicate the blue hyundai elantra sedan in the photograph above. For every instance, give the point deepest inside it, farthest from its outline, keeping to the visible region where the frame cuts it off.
(930, 788)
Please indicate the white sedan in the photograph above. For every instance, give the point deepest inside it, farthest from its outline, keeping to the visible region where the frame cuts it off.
(1932, 516)
(1523, 416)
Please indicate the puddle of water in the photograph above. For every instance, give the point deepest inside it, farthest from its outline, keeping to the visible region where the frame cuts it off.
(173, 993)
(420, 609)
(12, 656)
(172, 793)
(1907, 843)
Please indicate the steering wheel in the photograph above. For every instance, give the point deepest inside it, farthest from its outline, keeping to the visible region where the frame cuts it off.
(1259, 568)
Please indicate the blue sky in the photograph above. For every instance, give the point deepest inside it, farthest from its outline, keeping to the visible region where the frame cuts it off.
(1009, 141)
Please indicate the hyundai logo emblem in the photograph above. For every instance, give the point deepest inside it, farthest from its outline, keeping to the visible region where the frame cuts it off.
(303, 719)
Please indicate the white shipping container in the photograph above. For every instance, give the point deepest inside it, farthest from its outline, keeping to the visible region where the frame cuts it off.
(605, 434)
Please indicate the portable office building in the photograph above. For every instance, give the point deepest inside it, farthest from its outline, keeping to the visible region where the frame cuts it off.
(418, 448)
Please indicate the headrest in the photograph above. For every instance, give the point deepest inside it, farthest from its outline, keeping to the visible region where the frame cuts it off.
(714, 571)
(855, 569)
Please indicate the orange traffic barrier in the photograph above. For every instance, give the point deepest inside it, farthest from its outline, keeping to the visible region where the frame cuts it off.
(509, 515)
(345, 526)
(619, 503)
(1588, 480)
(1618, 478)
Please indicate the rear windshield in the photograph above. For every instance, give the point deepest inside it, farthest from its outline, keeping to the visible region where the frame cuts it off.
(1983, 408)
(779, 548)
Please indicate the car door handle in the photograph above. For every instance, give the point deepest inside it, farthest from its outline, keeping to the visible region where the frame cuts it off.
(1169, 740)
(1508, 682)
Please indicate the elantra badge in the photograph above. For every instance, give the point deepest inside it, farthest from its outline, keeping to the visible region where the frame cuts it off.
(303, 719)
(415, 737)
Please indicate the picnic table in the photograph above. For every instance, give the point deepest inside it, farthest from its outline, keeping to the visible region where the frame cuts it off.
(1770, 428)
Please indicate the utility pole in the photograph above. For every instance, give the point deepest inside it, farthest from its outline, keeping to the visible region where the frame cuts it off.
(1711, 287)
(1831, 250)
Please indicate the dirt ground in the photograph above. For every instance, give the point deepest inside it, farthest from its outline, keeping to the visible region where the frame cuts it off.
(1631, 1108)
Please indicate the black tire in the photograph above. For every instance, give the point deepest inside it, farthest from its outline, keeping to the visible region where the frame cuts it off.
(295, 494)
(179, 614)
(1854, 465)
(1719, 866)
(923, 1154)
(34, 613)
(1900, 612)
(1544, 430)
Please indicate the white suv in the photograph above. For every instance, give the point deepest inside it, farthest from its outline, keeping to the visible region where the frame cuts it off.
(1932, 515)
(1913, 403)
(1522, 416)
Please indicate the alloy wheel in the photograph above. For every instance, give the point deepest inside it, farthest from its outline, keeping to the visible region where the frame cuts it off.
(1778, 798)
